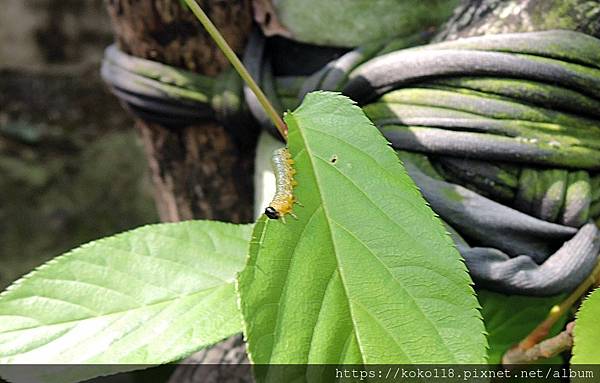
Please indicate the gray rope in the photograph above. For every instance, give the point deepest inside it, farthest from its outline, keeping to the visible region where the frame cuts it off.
(508, 128)
(171, 96)
(455, 102)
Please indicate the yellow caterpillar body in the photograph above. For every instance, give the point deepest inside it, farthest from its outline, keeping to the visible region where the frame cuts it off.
(283, 200)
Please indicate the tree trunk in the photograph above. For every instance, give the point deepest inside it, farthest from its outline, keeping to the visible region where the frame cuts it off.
(198, 171)
(482, 17)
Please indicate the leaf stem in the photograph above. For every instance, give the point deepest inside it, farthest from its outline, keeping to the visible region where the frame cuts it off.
(237, 64)
(557, 311)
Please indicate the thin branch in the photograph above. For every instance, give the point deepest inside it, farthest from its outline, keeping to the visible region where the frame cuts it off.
(543, 350)
(557, 311)
(239, 67)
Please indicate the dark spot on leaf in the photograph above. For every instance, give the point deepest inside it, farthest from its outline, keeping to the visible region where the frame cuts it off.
(333, 159)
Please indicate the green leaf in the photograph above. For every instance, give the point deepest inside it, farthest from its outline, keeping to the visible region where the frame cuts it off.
(147, 296)
(367, 274)
(510, 318)
(586, 334)
(352, 23)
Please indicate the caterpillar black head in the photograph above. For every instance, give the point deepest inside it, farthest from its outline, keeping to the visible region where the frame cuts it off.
(272, 213)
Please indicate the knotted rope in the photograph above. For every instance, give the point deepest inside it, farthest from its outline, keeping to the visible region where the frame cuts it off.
(501, 134)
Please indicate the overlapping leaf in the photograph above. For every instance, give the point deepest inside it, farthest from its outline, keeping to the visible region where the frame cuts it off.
(148, 296)
(587, 331)
(367, 274)
(510, 318)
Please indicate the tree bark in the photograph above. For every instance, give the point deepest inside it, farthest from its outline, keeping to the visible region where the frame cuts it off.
(481, 17)
(201, 171)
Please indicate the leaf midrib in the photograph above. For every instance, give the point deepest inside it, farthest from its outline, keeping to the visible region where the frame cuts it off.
(157, 303)
(339, 268)
(343, 282)
(327, 216)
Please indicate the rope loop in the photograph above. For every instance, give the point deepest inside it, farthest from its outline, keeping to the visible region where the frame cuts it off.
(501, 133)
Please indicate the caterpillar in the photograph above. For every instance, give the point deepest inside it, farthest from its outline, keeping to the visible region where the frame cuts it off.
(284, 199)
